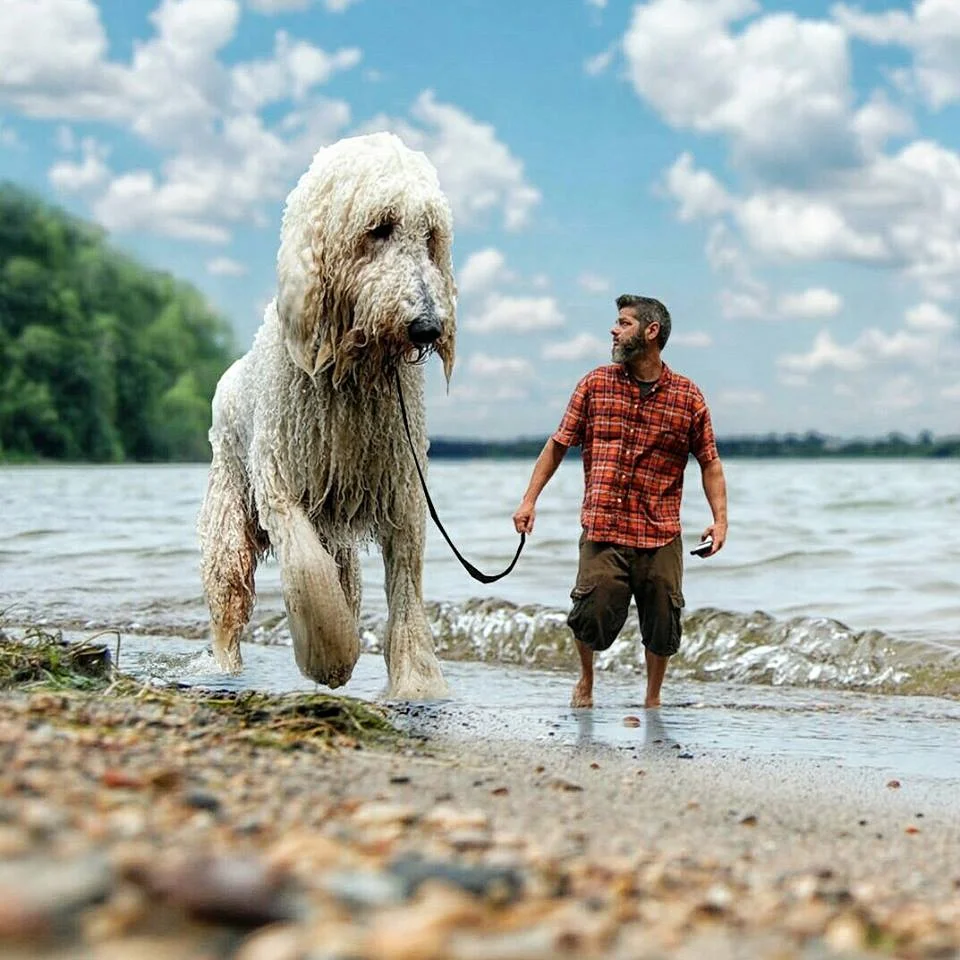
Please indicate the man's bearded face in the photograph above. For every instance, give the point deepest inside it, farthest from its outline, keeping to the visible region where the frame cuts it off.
(625, 350)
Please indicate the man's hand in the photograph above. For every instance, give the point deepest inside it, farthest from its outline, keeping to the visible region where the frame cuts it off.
(715, 487)
(524, 517)
(717, 530)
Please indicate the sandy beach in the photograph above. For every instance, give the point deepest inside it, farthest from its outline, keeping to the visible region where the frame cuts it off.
(156, 824)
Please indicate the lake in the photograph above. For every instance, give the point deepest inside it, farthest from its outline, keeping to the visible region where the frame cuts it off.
(838, 576)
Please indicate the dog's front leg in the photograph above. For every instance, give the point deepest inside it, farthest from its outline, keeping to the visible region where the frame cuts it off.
(412, 667)
(323, 626)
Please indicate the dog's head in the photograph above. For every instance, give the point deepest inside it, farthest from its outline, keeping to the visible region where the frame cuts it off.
(364, 269)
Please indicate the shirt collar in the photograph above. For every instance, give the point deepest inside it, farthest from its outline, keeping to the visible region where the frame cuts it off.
(666, 375)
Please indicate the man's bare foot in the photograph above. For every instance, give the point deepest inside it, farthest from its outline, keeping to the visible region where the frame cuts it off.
(651, 702)
(582, 695)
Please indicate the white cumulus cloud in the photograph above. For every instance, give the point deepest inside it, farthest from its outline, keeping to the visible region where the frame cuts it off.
(924, 341)
(930, 30)
(745, 304)
(287, 6)
(825, 353)
(222, 162)
(294, 70)
(483, 270)
(593, 283)
(477, 171)
(87, 174)
(778, 87)
(698, 339)
(483, 365)
(225, 267)
(930, 317)
(598, 63)
(813, 304)
(52, 59)
(584, 346)
(798, 227)
(698, 192)
(828, 179)
(516, 314)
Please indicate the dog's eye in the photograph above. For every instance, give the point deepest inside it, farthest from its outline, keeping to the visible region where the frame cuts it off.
(382, 231)
(433, 245)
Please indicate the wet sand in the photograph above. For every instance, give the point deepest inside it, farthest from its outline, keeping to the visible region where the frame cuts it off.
(154, 830)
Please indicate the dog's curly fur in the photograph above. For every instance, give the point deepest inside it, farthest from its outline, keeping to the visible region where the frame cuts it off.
(309, 453)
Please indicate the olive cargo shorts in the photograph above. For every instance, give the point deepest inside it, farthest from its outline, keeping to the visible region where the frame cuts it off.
(609, 575)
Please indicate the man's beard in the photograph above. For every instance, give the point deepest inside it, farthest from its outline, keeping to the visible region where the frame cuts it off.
(629, 349)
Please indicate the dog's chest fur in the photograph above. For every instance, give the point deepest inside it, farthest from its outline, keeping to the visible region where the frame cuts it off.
(356, 473)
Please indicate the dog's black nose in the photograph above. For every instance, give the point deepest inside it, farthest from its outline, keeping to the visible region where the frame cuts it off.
(424, 329)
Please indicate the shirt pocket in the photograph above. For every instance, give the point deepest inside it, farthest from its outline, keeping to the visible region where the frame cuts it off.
(608, 429)
(672, 441)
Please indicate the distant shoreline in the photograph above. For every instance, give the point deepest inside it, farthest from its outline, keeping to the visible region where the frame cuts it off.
(810, 446)
(789, 446)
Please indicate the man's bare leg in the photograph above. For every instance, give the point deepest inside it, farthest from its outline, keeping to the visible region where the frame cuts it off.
(656, 668)
(583, 691)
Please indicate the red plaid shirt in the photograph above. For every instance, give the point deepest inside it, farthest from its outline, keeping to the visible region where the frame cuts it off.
(635, 449)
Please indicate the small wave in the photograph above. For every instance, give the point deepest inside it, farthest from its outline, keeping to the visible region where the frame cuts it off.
(162, 668)
(842, 506)
(113, 552)
(792, 556)
(949, 588)
(718, 645)
(812, 652)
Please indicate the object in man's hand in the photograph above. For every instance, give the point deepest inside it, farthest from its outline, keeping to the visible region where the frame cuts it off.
(702, 548)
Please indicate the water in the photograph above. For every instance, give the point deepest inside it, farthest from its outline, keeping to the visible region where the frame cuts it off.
(838, 575)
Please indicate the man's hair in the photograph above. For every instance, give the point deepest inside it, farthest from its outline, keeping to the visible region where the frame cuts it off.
(647, 310)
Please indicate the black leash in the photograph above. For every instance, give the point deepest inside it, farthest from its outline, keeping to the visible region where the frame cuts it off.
(467, 565)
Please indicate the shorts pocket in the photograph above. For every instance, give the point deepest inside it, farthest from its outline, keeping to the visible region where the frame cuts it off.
(581, 591)
(582, 617)
(676, 621)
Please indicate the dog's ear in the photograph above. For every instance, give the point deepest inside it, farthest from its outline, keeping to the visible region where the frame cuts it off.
(446, 349)
(447, 344)
(297, 322)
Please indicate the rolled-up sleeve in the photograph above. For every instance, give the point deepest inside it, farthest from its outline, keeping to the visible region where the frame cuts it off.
(703, 443)
(571, 430)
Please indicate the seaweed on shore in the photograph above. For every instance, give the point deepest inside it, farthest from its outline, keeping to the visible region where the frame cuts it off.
(43, 661)
(39, 658)
(283, 721)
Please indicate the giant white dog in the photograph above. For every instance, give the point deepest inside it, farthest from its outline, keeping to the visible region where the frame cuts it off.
(310, 458)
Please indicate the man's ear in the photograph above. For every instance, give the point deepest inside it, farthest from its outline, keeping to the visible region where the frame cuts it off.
(653, 325)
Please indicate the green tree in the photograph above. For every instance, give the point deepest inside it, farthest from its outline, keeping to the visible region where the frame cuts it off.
(100, 358)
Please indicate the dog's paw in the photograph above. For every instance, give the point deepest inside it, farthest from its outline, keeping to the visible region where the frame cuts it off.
(228, 660)
(417, 681)
(327, 673)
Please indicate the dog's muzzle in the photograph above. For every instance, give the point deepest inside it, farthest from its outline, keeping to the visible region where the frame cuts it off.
(425, 329)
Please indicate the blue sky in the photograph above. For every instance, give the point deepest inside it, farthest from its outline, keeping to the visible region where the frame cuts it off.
(784, 176)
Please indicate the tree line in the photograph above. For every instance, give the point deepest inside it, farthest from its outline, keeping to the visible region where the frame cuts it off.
(101, 359)
(767, 446)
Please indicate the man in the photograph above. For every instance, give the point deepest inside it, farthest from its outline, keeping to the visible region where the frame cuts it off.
(637, 422)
